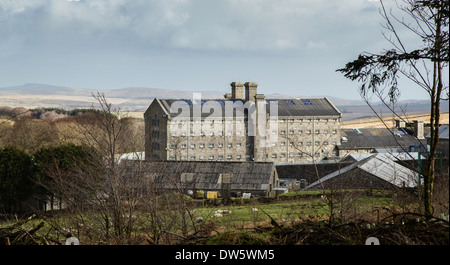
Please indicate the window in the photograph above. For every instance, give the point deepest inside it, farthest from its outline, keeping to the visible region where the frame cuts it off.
(230, 145)
(291, 155)
(334, 131)
(274, 144)
(220, 145)
(282, 155)
(220, 157)
(229, 156)
(193, 157)
(299, 131)
(300, 143)
(289, 102)
(238, 156)
(211, 145)
(274, 155)
(306, 102)
(202, 157)
(187, 177)
(211, 157)
(334, 142)
(300, 154)
(202, 146)
(173, 146)
(192, 145)
(325, 143)
(308, 132)
(224, 178)
(308, 143)
(291, 120)
(317, 143)
(317, 131)
(325, 131)
(291, 132)
(283, 143)
(238, 144)
(155, 146)
(183, 146)
(283, 132)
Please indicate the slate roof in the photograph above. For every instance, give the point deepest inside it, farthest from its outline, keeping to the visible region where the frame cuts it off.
(252, 176)
(286, 107)
(377, 138)
(443, 132)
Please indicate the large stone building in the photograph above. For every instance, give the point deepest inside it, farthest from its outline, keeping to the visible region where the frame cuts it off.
(242, 127)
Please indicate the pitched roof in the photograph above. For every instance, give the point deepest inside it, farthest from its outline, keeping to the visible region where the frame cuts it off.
(443, 132)
(203, 175)
(379, 166)
(377, 138)
(286, 107)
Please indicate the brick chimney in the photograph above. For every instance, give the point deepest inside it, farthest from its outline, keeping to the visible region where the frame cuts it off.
(418, 129)
(250, 91)
(237, 90)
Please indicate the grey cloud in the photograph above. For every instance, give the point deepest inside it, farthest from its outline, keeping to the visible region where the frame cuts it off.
(196, 24)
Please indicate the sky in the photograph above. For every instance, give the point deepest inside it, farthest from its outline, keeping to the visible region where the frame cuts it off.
(290, 47)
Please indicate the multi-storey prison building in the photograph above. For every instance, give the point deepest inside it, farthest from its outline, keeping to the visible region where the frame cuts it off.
(242, 127)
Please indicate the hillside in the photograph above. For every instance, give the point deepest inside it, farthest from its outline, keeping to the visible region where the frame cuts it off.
(377, 123)
(137, 99)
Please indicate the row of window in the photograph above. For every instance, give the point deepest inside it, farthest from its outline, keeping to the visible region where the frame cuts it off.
(241, 132)
(300, 154)
(238, 157)
(326, 131)
(230, 145)
(209, 157)
(211, 145)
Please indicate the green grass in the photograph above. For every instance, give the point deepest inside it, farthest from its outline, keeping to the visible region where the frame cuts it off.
(284, 211)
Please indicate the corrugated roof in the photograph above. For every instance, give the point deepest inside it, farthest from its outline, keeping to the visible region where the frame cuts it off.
(380, 166)
(286, 107)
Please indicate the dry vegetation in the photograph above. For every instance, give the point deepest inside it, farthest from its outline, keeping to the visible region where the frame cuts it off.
(390, 122)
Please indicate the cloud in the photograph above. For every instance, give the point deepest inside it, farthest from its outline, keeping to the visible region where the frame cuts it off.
(240, 25)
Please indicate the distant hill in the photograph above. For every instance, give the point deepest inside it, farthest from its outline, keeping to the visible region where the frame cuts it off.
(33, 95)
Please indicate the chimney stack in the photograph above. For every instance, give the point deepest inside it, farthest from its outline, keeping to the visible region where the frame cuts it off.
(400, 124)
(250, 91)
(418, 129)
(237, 90)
